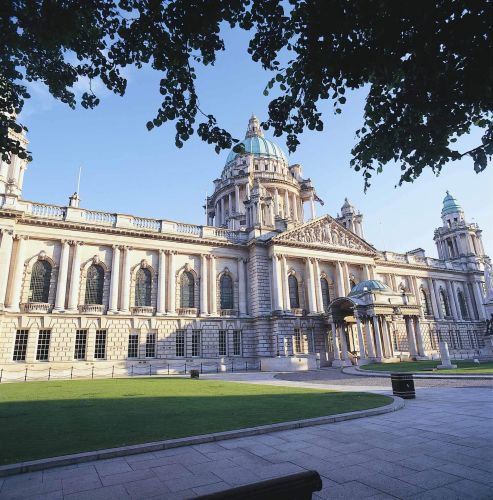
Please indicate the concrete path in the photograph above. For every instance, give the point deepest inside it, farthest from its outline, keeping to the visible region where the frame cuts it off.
(439, 447)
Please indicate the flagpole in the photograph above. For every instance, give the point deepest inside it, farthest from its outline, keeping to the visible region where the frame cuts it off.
(78, 180)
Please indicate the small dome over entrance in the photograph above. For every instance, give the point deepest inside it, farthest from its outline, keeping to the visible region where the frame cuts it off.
(369, 285)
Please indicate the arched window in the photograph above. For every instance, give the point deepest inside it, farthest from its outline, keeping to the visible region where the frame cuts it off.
(444, 302)
(464, 312)
(94, 285)
(324, 284)
(294, 298)
(425, 304)
(39, 288)
(187, 285)
(143, 286)
(226, 290)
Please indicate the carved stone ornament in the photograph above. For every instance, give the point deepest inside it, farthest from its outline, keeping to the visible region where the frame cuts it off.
(187, 267)
(95, 260)
(144, 264)
(226, 270)
(325, 231)
(42, 255)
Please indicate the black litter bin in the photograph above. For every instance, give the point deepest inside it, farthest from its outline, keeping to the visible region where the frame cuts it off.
(194, 374)
(403, 385)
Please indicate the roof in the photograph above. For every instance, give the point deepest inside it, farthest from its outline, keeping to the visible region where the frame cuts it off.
(450, 205)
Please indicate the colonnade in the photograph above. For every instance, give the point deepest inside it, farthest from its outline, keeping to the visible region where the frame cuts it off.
(312, 276)
(374, 337)
(69, 279)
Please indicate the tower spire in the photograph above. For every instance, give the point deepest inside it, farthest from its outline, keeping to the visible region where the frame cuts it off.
(254, 129)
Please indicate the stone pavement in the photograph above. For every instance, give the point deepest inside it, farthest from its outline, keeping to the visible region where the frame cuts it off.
(440, 446)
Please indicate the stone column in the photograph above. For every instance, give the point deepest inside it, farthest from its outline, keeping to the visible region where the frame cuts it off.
(452, 300)
(335, 342)
(237, 198)
(272, 220)
(73, 301)
(161, 284)
(344, 347)
(230, 204)
(213, 292)
(5, 257)
(61, 286)
(287, 305)
(468, 299)
(125, 279)
(276, 201)
(312, 308)
(318, 287)
(171, 283)
(387, 341)
(223, 218)
(369, 340)
(312, 207)
(478, 295)
(436, 293)
(419, 337)
(18, 274)
(247, 190)
(361, 343)
(242, 287)
(287, 210)
(410, 336)
(433, 298)
(295, 207)
(276, 284)
(378, 340)
(340, 280)
(204, 310)
(115, 279)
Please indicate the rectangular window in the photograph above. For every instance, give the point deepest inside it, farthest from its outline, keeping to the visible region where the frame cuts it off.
(80, 344)
(236, 343)
(297, 340)
(100, 345)
(196, 351)
(20, 345)
(180, 343)
(133, 345)
(151, 345)
(43, 348)
(223, 350)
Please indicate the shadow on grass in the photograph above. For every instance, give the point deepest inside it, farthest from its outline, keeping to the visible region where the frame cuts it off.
(51, 427)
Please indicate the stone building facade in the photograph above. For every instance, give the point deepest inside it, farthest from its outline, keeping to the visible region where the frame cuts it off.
(262, 280)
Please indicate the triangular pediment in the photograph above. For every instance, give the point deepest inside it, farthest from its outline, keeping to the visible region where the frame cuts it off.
(324, 232)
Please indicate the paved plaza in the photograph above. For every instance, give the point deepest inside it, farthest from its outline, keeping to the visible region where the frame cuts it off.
(440, 446)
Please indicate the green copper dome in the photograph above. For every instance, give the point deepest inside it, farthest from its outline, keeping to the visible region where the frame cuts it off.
(450, 205)
(256, 144)
(367, 286)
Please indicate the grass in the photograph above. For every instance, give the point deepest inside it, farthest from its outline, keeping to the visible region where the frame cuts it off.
(45, 419)
(463, 367)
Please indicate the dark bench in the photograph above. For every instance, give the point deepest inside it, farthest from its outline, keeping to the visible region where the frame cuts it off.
(298, 486)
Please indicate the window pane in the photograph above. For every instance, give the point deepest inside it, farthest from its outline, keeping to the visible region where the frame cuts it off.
(94, 285)
(297, 340)
(143, 286)
(226, 286)
(133, 345)
(196, 343)
(43, 348)
(236, 343)
(180, 343)
(100, 346)
(187, 290)
(39, 288)
(325, 292)
(80, 344)
(222, 343)
(20, 345)
(151, 345)
(294, 299)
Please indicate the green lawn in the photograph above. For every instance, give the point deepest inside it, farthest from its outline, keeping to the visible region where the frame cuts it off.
(45, 419)
(463, 367)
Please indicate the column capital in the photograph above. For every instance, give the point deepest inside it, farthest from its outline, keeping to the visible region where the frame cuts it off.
(243, 260)
(5, 230)
(75, 242)
(21, 237)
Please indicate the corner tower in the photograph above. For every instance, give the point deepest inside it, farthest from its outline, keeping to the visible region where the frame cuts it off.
(457, 239)
(351, 219)
(258, 189)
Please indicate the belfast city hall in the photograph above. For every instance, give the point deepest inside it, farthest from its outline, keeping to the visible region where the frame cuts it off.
(266, 281)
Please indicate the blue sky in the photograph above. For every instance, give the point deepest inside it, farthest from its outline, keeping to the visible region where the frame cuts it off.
(130, 170)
